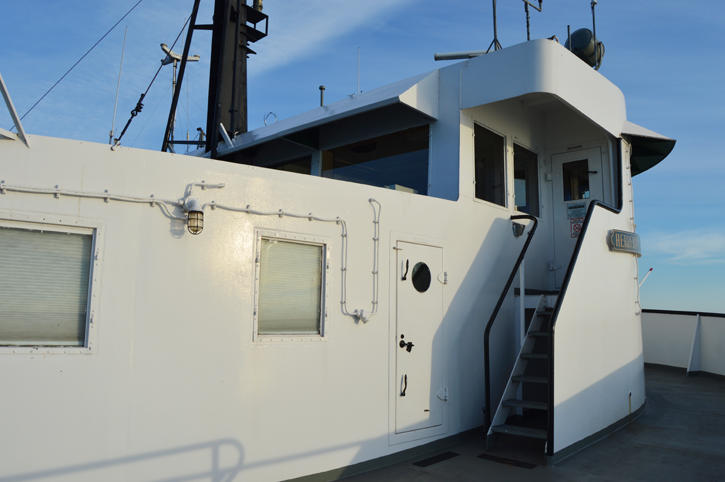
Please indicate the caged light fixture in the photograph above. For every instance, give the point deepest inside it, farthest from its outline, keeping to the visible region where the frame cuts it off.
(195, 217)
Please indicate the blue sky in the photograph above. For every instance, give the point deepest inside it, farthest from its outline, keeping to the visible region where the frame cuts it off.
(666, 56)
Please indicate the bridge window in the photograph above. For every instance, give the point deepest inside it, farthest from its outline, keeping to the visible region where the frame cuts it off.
(397, 161)
(490, 166)
(526, 180)
(302, 165)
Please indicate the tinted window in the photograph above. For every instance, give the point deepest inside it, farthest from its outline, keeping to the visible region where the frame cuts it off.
(526, 181)
(397, 161)
(490, 166)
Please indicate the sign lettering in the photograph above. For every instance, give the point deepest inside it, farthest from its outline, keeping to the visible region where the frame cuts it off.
(625, 242)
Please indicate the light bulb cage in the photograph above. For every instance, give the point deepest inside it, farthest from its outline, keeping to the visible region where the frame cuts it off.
(195, 222)
(195, 216)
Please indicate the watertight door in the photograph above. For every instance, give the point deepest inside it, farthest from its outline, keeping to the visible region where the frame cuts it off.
(578, 179)
(419, 312)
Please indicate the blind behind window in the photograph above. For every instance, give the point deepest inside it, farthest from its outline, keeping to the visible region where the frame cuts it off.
(43, 287)
(290, 288)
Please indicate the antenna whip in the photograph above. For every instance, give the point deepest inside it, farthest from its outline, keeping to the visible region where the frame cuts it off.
(139, 104)
(79, 60)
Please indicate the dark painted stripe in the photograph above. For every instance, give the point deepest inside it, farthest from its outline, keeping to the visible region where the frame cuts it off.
(501, 460)
(436, 459)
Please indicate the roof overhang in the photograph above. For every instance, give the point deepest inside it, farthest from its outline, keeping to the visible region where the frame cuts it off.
(648, 147)
(543, 67)
(417, 94)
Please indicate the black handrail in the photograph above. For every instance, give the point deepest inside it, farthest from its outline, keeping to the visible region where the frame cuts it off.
(487, 409)
(562, 293)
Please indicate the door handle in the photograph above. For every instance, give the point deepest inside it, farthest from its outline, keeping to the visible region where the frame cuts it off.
(409, 346)
(405, 387)
(407, 262)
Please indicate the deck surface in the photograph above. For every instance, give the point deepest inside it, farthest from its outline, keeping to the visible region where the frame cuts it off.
(680, 436)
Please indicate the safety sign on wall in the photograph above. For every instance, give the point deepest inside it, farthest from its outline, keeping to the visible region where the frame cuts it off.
(576, 226)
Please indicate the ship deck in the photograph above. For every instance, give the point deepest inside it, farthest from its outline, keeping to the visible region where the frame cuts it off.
(680, 436)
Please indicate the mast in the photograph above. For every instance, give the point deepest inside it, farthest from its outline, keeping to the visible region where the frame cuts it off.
(235, 26)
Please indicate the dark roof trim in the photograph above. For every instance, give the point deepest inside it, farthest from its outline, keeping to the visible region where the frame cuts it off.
(686, 313)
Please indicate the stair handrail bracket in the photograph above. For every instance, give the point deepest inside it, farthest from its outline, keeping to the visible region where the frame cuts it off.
(13, 114)
(502, 297)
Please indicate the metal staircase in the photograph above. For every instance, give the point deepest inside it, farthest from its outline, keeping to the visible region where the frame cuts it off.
(524, 404)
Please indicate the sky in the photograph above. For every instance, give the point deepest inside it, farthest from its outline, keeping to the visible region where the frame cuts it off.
(665, 55)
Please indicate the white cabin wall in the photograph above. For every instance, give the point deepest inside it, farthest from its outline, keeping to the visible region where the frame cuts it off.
(599, 368)
(175, 373)
(445, 150)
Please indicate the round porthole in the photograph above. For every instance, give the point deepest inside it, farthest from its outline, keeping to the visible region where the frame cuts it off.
(421, 277)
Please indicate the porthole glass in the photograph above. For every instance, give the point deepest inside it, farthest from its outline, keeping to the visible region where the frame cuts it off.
(421, 277)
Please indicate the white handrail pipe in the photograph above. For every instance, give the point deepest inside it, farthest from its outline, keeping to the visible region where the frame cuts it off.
(645, 277)
(13, 112)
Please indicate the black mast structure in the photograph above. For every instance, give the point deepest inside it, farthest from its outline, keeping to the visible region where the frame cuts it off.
(234, 27)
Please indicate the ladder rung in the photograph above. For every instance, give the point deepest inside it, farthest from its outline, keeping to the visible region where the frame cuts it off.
(530, 379)
(525, 404)
(523, 431)
(534, 356)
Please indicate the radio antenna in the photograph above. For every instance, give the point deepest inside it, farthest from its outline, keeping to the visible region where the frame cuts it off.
(528, 4)
(494, 44)
(113, 124)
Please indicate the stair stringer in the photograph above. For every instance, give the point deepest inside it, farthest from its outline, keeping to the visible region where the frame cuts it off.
(502, 412)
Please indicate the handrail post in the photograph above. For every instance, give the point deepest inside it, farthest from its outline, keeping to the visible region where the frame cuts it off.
(487, 332)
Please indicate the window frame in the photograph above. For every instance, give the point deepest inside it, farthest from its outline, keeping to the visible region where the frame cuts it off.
(321, 241)
(539, 185)
(506, 173)
(70, 225)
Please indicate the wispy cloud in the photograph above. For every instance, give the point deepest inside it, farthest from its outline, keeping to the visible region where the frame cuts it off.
(305, 27)
(687, 247)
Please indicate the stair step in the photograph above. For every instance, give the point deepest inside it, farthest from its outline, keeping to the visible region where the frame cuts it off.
(534, 356)
(530, 379)
(534, 292)
(538, 333)
(525, 404)
(523, 431)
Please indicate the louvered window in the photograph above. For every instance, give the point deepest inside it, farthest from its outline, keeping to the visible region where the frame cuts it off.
(290, 288)
(44, 286)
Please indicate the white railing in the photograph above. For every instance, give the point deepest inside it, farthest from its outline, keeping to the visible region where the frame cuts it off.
(683, 339)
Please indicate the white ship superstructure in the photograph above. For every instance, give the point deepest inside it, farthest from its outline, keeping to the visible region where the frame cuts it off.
(318, 299)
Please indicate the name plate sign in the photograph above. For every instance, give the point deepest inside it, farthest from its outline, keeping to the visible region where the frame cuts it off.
(625, 242)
